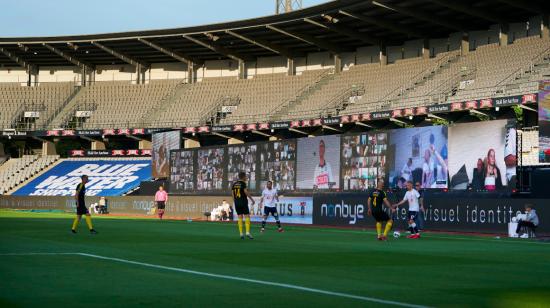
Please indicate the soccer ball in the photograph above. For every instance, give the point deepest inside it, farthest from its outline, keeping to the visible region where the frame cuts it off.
(396, 234)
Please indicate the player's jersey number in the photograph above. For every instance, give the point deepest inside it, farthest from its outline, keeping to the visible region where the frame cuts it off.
(236, 193)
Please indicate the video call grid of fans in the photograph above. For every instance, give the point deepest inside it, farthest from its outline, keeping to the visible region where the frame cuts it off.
(363, 159)
(242, 158)
(419, 154)
(278, 164)
(182, 170)
(263, 162)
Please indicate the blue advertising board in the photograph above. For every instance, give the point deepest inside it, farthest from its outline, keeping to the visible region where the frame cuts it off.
(106, 178)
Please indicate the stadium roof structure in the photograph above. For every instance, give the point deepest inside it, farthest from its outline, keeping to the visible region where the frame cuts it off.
(337, 26)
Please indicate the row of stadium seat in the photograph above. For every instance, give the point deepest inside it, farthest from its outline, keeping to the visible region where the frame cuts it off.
(121, 103)
(489, 71)
(486, 68)
(45, 98)
(16, 171)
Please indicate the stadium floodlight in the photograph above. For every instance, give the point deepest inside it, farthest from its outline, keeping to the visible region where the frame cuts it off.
(398, 121)
(382, 5)
(527, 108)
(261, 133)
(483, 114)
(433, 116)
(332, 128)
(363, 124)
(297, 131)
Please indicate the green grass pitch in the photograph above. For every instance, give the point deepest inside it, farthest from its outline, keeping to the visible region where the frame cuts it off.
(146, 263)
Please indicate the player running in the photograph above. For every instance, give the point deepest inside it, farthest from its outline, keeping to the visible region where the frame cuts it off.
(412, 196)
(377, 200)
(240, 199)
(269, 196)
(81, 206)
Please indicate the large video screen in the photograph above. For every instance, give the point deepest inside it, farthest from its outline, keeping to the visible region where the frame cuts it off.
(182, 171)
(419, 155)
(278, 164)
(211, 165)
(483, 155)
(163, 143)
(544, 122)
(319, 163)
(363, 160)
(242, 158)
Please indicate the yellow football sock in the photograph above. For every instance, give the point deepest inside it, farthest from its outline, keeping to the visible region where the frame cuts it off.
(389, 224)
(378, 228)
(75, 223)
(89, 222)
(247, 224)
(240, 223)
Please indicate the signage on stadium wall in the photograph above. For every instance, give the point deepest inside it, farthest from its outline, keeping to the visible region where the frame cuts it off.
(449, 212)
(109, 153)
(292, 210)
(280, 125)
(222, 128)
(331, 121)
(439, 108)
(31, 114)
(83, 113)
(477, 214)
(10, 133)
(184, 207)
(341, 209)
(378, 115)
(106, 178)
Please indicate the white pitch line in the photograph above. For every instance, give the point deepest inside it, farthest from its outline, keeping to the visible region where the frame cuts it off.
(206, 274)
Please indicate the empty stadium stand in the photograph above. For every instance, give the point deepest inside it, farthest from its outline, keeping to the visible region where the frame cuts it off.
(45, 100)
(18, 170)
(449, 76)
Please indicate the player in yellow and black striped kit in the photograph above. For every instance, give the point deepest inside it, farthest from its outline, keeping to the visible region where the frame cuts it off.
(376, 202)
(240, 198)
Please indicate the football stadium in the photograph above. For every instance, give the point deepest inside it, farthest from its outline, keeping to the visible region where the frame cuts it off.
(350, 153)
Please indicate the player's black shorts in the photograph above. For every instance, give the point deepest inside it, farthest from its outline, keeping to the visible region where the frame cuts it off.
(81, 210)
(270, 210)
(242, 208)
(412, 215)
(161, 205)
(380, 216)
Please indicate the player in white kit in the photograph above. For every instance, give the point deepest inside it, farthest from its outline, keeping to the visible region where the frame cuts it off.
(412, 196)
(269, 197)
